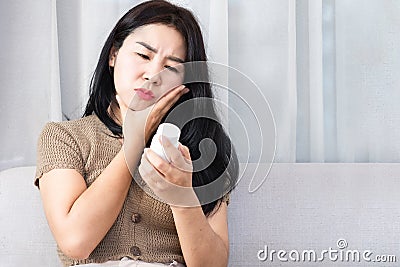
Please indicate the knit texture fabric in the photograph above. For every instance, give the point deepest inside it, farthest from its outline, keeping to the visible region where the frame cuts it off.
(88, 146)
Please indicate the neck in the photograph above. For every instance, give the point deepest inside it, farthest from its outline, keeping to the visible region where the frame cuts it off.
(115, 113)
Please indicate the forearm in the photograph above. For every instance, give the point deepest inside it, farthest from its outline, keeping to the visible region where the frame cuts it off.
(96, 209)
(201, 246)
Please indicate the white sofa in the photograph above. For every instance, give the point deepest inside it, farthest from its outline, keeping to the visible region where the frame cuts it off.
(25, 238)
(299, 207)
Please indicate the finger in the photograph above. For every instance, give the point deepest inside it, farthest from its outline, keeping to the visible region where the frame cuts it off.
(165, 103)
(178, 92)
(173, 100)
(173, 91)
(172, 96)
(153, 178)
(157, 162)
(174, 155)
(187, 158)
(168, 96)
(185, 151)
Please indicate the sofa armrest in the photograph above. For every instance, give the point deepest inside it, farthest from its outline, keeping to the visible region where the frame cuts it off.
(25, 238)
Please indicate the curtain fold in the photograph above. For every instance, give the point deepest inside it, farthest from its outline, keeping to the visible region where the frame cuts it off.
(259, 34)
(218, 52)
(55, 90)
(309, 65)
(367, 80)
(292, 82)
(30, 90)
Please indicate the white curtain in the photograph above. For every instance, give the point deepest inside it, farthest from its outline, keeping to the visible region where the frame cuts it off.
(348, 81)
(329, 69)
(30, 84)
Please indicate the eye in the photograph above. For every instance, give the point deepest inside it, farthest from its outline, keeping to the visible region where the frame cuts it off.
(171, 69)
(143, 56)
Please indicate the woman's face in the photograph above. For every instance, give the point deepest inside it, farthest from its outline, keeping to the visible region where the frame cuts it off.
(148, 65)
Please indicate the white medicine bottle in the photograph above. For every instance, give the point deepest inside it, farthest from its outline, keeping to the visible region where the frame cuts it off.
(170, 131)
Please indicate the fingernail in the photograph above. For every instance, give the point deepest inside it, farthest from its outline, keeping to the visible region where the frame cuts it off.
(186, 90)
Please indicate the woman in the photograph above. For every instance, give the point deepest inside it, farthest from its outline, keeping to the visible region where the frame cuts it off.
(95, 209)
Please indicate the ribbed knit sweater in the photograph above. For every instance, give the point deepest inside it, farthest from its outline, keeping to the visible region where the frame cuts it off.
(144, 229)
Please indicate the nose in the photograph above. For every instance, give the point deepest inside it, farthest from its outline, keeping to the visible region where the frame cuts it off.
(152, 74)
(156, 79)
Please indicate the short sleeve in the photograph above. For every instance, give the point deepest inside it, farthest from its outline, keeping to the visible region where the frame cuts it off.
(57, 149)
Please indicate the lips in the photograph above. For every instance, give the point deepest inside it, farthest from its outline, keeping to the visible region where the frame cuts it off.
(144, 94)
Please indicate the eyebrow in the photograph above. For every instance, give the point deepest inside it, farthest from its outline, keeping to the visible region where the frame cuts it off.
(152, 49)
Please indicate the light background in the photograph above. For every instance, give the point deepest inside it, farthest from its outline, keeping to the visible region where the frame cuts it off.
(329, 69)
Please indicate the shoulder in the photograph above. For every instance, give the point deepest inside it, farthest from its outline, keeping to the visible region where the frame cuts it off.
(67, 144)
(74, 126)
(69, 137)
(76, 129)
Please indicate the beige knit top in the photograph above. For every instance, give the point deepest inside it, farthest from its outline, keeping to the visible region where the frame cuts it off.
(144, 229)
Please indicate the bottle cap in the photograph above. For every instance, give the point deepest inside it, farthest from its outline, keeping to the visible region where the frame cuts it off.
(171, 131)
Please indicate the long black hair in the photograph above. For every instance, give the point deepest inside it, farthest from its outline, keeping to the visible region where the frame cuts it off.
(102, 92)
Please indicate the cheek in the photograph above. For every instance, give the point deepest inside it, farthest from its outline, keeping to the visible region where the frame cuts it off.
(126, 75)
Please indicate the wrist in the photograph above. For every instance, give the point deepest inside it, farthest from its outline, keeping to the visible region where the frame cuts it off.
(185, 211)
(187, 200)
